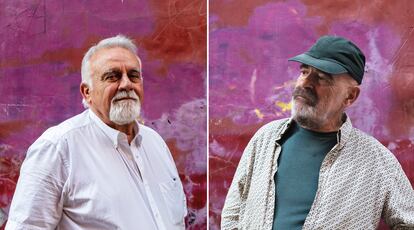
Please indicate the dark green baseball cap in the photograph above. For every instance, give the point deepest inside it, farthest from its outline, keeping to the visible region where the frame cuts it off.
(334, 55)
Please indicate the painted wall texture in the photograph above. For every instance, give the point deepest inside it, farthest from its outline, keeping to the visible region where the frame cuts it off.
(251, 81)
(42, 43)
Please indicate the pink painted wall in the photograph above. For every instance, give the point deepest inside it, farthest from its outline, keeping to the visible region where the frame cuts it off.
(41, 46)
(251, 80)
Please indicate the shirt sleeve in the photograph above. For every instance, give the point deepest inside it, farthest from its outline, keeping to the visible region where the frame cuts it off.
(37, 202)
(398, 210)
(230, 215)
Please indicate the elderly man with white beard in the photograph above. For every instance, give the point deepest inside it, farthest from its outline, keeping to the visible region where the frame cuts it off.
(101, 169)
(315, 170)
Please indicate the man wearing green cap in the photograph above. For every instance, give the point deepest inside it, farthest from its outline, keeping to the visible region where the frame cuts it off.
(315, 170)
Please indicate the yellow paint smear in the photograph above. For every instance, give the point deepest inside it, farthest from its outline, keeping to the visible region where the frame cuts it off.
(258, 113)
(284, 106)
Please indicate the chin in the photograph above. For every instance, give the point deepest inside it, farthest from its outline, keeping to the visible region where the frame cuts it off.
(124, 113)
(306, 115)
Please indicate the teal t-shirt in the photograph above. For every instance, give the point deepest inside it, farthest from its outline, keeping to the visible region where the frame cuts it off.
(296, 179)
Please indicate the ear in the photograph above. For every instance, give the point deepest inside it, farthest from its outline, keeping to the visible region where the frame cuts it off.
(353, 93)
(85, 92)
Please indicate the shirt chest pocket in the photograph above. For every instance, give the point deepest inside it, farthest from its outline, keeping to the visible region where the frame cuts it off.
(175, 201)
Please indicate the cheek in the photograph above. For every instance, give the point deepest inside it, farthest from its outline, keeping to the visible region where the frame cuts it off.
(299, 82)
(109, 92)
(139, 90)
(328, 97)
(336, 100)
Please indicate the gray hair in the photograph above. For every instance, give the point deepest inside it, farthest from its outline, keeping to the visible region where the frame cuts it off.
(117, 41)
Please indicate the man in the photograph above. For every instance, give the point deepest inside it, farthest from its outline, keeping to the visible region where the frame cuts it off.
(101, 169)
(314, 170)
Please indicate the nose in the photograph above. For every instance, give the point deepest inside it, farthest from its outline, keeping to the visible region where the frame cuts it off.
(125, 83)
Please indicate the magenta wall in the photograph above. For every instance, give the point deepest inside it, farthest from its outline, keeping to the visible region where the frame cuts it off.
(251, 80)
(41, 46)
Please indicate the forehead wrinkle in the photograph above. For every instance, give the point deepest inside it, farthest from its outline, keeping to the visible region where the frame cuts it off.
(121, 66)
(114, 64)
(114, 59)
(123, 59)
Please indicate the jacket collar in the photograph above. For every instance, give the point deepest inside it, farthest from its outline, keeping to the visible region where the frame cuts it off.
(344, 132)
(343, 135)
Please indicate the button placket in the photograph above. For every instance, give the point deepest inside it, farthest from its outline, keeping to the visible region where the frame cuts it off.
(323, 177)
(147, 189)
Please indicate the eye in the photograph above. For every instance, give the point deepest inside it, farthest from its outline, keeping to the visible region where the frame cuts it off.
(135, 76)
(112, 76)
(304, 71)
(325, 78)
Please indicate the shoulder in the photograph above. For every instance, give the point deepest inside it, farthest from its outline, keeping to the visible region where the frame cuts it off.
(153, 140)
(274, 125)
(266, 136)
(369, 146)
(368, 142)
(75, 123)
(149, 135)
(147, 131)
(271, 128)
(50, 151)
(54, 137)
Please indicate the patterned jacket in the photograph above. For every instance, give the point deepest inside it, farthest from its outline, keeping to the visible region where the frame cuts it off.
(359, 181)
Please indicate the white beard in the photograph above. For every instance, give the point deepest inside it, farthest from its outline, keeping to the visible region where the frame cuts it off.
(125, 111)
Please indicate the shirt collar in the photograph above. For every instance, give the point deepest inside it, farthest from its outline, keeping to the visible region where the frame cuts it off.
(114, 135)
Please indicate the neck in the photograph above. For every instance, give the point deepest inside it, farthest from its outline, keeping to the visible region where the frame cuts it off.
(328, 125)
(128, 129)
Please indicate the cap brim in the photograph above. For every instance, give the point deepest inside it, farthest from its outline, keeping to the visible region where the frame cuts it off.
(326, 66)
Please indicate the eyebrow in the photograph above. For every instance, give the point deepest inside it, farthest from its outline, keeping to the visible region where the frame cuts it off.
(135, 70)
(113, 69)
(308, 66)
(116, 69)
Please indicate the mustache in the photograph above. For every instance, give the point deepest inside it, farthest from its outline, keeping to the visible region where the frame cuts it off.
(125, 94)
(307, 93)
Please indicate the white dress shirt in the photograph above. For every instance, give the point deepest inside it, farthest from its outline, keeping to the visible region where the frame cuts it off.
(82, 174)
